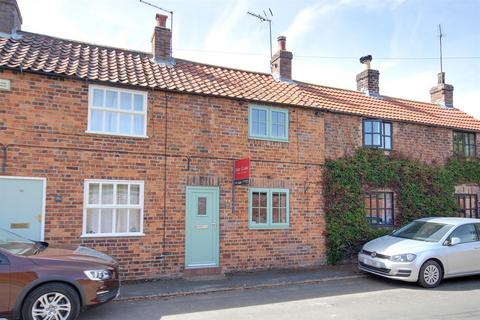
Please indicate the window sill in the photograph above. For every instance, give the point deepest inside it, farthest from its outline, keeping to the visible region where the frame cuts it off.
(269, 227)
(116, 134)
(460, 156)
(268, 139)
(378, 148)
(381, 226)
(112, 235)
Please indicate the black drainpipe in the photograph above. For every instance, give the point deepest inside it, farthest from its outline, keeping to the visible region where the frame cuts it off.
(4, 162)
(165, 182)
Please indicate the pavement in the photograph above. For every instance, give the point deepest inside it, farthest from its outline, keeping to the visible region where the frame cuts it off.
(132, 291)
(358, 298)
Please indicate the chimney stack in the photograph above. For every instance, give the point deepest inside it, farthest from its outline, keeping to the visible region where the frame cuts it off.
(442, 93)
(281, 62)
(10, 17)
(368, 79)
(161, 40)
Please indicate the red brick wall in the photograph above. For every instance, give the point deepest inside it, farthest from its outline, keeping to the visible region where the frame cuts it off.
(343, 135)
(424, 143)
(43, 120)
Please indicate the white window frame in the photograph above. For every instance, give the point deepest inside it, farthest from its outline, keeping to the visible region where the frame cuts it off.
(269, 136)
(118, 111)
(86, 206)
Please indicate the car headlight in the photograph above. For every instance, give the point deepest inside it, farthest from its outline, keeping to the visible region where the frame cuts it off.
(407, 257)
(99, 275)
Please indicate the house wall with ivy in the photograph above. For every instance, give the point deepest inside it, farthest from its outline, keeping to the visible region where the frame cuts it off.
(421, 190)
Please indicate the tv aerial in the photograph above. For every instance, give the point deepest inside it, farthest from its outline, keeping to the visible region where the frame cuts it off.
(265, 18)
(161, 9)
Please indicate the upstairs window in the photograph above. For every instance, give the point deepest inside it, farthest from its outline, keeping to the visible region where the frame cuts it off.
(377, 134)
(117, 112)
(268, 123)
(464, 144)
(379, 208)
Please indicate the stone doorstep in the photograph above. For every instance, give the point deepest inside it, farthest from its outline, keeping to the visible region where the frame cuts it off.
(203, 274)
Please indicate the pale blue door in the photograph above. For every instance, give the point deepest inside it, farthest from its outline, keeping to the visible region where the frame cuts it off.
(202, 227)
(22, 205)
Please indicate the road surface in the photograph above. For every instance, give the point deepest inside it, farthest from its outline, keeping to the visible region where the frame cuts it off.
(363, 298)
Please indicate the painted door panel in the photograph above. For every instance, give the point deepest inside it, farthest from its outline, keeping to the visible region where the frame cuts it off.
(4, 285)
(202, 229)
(21, 206)
(463, 258)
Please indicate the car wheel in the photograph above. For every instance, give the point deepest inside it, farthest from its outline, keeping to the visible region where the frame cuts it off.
(430, 275)
(51, 301)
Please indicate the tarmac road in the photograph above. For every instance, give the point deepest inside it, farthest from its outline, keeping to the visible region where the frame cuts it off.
(361, 298)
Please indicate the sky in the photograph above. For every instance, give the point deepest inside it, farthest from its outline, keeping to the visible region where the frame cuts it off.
(327, 37)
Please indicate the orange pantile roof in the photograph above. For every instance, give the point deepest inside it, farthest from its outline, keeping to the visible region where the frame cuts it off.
(40, 53)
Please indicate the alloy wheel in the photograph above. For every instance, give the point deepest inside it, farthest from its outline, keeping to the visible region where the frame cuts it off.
(51, 306)
(431, 274)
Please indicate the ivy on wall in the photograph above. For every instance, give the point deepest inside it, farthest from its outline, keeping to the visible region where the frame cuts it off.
(421, 190)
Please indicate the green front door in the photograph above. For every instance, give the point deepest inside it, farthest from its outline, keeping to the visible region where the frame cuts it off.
(202, 227)
(22, 203)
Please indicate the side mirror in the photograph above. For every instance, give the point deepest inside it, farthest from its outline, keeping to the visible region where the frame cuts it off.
(454, 241)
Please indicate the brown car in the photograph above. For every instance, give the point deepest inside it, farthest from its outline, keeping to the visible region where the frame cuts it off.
(38, 282)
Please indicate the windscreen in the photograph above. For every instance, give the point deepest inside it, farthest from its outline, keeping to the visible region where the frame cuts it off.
(423, 231)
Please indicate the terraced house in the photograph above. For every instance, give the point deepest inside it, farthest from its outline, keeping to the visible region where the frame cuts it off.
(133, 153)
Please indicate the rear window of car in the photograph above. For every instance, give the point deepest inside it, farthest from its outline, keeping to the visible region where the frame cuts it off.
(423, 231)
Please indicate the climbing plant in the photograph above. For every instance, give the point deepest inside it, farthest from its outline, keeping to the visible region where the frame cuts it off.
(422, 190)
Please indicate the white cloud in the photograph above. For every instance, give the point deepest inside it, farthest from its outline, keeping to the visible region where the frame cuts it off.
(414, 86)
(468, 102)
(234, 31)
(223, 32)
(306, 18)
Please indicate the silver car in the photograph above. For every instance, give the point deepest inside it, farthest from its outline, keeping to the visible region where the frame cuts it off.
(425, 251)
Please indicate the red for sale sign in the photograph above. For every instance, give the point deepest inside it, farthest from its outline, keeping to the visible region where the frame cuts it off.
(242, 171)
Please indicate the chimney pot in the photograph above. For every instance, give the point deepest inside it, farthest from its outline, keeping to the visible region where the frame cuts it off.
(366, 60)
(10, 17)
(161, 20)
(281, 62)
(282, 43)
(441, 77)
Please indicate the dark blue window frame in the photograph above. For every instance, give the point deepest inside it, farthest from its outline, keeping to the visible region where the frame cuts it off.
(377, 134)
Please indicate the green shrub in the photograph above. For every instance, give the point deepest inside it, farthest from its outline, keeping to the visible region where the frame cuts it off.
(421, 191)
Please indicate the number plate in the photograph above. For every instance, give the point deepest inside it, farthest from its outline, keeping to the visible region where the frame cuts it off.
(373, 263)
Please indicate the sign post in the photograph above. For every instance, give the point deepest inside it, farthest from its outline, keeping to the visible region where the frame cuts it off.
(241, 176)
(242, 171)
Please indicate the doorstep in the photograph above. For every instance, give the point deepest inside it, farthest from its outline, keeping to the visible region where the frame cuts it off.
(203, 274)
(237, 281)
